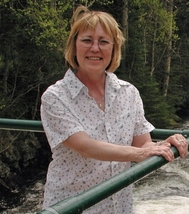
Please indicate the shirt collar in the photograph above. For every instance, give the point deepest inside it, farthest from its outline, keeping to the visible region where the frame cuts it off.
(75, 85)
(113, 81)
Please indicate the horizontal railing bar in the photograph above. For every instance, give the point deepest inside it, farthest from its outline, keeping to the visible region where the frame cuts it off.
(164, 133)
(81, 202)
(36, 126)
(21, 125)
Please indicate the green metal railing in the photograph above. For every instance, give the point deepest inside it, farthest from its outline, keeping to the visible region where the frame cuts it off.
(79, 203)
(36, 126)
(21, 125)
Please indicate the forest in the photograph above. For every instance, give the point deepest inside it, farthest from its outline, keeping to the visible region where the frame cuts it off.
(155, 56)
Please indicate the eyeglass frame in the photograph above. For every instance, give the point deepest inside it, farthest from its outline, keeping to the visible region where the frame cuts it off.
(91, 43)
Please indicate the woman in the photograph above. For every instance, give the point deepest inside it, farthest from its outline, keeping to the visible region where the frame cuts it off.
(94, 121)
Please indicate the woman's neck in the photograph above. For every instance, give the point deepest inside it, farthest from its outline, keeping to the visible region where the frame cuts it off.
(96, 87)
(95, 83)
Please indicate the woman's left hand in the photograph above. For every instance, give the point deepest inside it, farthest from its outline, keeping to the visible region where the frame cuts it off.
(180, 142)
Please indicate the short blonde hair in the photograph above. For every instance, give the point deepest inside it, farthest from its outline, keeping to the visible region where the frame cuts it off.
(84, 19)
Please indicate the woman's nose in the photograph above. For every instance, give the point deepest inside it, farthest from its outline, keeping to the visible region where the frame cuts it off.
(95, 46)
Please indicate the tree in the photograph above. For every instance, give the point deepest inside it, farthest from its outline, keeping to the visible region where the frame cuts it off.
(125, 28)
(169, 6)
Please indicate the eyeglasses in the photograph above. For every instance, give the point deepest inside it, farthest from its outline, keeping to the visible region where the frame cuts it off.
(102, 43)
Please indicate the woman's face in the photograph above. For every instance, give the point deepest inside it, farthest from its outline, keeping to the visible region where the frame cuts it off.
(93, 50)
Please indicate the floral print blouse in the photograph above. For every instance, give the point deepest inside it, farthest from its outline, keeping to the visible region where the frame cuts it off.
(67, 109)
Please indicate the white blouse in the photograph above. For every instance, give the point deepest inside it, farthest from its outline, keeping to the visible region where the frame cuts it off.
(67, 109)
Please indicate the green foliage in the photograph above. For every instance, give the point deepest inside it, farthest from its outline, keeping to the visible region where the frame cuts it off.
(103, 2)
(157, 110)
(89, 3)
(33, 39)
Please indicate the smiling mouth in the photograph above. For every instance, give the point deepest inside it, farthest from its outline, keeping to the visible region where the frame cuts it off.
(94, 58)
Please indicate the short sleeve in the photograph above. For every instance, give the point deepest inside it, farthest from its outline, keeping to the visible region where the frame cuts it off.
(57, 120)
(142, 126)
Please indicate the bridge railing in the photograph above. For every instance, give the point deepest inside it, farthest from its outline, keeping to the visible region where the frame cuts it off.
(36, 126)
(81, 202)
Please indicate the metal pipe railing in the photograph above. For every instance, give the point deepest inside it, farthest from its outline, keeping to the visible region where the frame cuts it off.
(75, 205)
(36, 126)
(165, 133)
(21, 125)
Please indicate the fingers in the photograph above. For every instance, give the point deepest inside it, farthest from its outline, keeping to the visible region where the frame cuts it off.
(167, 144)
(166, 152)
(163, 148)
(182, 145)
(180, 142)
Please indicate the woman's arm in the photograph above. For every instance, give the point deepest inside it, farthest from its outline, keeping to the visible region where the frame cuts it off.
(142, 148)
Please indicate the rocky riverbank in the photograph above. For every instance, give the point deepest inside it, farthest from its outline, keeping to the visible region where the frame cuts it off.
(30, 201)
(23, 162)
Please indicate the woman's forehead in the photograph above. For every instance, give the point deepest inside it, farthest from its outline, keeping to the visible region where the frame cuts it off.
(97, 29)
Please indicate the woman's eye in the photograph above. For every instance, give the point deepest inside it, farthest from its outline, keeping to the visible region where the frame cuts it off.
(103, 42)
(88, 41)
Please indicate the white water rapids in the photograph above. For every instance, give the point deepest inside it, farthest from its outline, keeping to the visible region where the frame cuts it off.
(165, 191)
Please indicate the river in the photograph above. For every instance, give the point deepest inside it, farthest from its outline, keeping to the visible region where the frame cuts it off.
(165, 191)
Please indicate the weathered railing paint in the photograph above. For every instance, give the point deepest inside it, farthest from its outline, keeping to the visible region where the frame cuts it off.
(81, 202)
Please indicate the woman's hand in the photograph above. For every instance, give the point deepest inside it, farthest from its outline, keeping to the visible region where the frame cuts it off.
(179, 141)
(154, 149)
(163, 148)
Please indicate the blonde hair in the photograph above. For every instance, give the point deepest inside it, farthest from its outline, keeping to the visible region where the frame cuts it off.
(84, 19)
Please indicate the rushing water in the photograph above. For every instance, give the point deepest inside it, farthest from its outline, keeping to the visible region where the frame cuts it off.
(165, 191)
